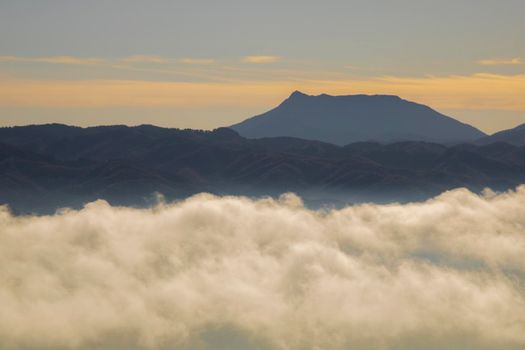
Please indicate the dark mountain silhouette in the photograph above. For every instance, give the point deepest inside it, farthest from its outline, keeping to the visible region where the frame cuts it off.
(514, 136)
(345, 119)
(43, 167)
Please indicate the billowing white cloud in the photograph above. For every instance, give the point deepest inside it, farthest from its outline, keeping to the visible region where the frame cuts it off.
(236, 273)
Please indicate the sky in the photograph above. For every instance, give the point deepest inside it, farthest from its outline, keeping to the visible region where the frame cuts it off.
(205, 64)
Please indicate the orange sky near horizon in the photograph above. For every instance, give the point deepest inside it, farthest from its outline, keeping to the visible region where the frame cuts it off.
(476, 92)
(205, 64)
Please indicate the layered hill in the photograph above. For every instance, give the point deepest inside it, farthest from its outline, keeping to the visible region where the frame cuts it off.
(44, 167)
(356, 118)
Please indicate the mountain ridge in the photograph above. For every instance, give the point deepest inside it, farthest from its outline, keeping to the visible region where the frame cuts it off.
(514, 136)
(68, 166)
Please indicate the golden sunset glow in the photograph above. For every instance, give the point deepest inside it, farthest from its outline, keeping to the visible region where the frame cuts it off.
(476, 92)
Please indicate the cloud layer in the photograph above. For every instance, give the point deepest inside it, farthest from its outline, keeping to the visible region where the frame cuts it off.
(236, 273)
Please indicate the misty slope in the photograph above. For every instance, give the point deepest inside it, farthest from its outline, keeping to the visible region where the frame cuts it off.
(514, 136)
(45, 166)
(345, 119)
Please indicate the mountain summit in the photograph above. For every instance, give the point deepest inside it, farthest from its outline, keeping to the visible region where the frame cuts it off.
(345, 119)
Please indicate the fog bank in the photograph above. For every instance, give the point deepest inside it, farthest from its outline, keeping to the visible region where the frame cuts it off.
(235, 273)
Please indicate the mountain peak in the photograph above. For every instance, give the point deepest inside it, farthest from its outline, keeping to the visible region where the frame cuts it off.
(352, 118)
(298, 94)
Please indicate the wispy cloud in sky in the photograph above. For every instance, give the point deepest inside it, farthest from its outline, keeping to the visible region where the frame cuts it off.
(260, 59)
(197, 61)
(498, 62)
(154, 59)
(54, 60)
(146, 59)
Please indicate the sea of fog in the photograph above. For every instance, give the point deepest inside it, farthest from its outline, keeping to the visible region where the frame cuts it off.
(237, 273)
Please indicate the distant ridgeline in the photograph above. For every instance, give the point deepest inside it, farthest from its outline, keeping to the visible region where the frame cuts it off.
(43, 167)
